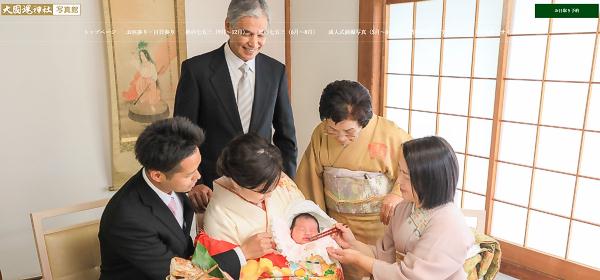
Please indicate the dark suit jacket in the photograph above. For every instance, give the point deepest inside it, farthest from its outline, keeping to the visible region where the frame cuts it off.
(139, 235)
(205, 95)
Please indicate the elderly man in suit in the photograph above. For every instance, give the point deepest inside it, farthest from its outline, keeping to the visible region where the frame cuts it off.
(148, 221)
(234, 90)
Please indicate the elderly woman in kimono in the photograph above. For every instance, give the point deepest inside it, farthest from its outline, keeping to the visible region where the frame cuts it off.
(427, 237)
(350, 165)
(252, 189)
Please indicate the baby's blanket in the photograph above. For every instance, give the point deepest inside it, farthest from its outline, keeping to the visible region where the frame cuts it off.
(293, 251)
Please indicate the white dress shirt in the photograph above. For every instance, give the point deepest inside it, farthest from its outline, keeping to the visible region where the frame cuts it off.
(234, 63)
(166, 198)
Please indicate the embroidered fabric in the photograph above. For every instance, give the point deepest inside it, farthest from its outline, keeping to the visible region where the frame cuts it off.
(416, 223)
(418, 220)
(355, 192)
(293, 251)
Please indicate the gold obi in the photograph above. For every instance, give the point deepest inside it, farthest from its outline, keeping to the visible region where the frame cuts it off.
(355, 192)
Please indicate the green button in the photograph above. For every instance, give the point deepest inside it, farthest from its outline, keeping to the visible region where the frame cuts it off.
(566, 10)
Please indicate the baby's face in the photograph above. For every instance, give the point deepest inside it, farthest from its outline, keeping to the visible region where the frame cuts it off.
(304, 229)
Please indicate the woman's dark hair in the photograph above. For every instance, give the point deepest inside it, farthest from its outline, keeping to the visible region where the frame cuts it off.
(433, 170)
(165, 143)
(250, 161)
(345, 99)
(307, 216)
(146, 54)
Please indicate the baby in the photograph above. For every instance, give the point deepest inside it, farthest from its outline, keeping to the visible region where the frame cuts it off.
(293, 229)
(304, 226)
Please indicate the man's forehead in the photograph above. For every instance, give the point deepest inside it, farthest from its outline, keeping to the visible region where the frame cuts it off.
(251, 22)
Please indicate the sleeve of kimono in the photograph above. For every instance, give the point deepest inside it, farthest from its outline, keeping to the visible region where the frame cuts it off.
(229, 256)
(398, 141)
(385, 249)
(220, 226)
(309, 177)
(438, 254)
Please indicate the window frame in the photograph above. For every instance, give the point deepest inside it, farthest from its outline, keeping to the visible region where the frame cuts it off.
(372, 68)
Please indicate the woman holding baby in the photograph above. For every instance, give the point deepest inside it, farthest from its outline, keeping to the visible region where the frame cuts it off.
(254, 202)
(252, 188)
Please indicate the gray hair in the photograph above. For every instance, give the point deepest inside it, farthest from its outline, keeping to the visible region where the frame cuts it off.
(247, 8)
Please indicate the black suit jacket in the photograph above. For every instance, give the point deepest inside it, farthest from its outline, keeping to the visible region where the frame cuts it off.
(205, 95)
(139, 235)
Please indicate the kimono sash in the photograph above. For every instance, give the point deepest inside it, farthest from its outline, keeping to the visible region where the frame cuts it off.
(354, 192)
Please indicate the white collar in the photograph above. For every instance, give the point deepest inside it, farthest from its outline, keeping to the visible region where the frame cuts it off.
(235, 61)
(165, 197)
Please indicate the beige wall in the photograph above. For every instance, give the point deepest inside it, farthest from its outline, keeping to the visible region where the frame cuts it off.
(54, 148)
(320, 58)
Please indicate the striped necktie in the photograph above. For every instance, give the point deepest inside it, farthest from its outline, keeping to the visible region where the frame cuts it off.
(173, 207)
(245, 97)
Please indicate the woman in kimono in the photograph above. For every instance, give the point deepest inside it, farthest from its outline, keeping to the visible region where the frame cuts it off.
(148, 106)
(427, 237)
(252, 189)
(351, 162)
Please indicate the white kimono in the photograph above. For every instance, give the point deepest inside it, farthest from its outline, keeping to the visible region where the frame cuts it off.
(230, 218)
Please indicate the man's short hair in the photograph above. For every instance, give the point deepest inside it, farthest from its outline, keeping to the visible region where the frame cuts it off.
(433, 170)
(345, 99)
(249, 160)
(247, 8)
(165, 143)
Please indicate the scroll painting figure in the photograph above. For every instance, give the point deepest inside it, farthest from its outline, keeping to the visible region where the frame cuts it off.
(146, 104)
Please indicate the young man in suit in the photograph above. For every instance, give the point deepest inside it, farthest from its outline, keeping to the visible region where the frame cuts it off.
(234, 90)
(148, 221)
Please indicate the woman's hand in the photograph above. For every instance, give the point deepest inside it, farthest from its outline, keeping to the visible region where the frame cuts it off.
(352, 257)
(258, 245)
(345, 238)
(345, 256)
(387, 208)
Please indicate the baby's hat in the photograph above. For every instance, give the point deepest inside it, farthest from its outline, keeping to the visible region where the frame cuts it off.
(307, 206)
